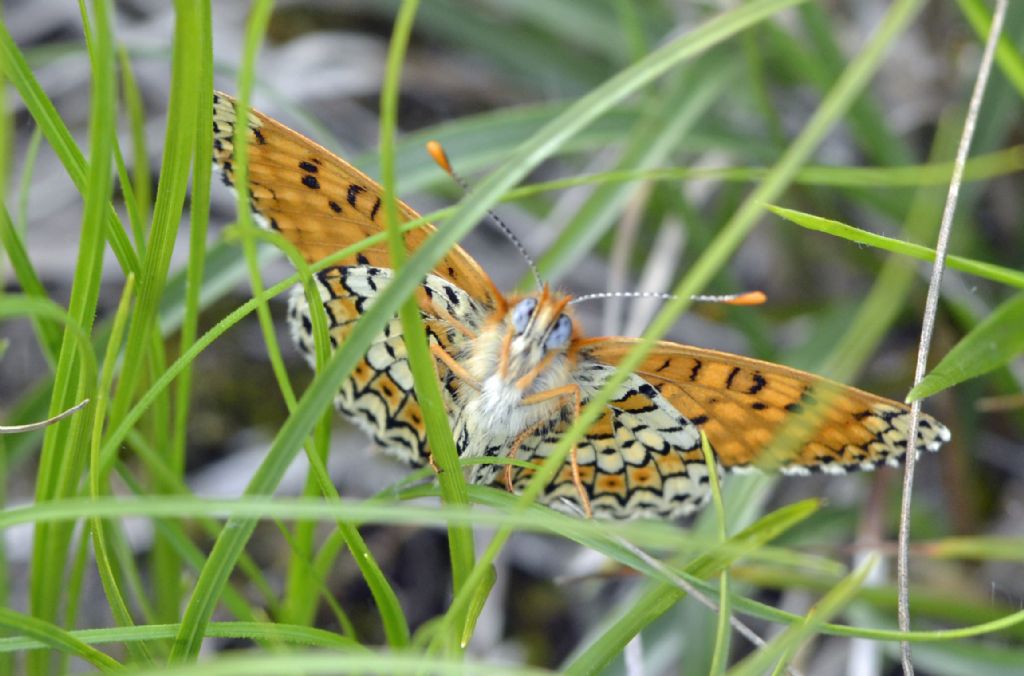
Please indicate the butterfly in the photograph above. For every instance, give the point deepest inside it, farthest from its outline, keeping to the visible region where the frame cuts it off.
(517, 369)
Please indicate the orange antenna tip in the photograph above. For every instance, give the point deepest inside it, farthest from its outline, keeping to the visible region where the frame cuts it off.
(437, 152)
(749, 298)
(745, 298)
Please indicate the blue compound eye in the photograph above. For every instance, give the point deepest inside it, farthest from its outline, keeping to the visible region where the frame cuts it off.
(521, 314)
(561, 334)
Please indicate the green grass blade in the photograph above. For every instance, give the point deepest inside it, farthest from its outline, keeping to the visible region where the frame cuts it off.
(170, 197)
(256, 631)
(13, 63)
(14, 246)
(102, 542)
(720, 656)
(659, 597)
(421, 361)
(1008, 56)
(655, 136)
(307, 412)
(141, 179)
(977, 548)
(978, 168)
(990, 271)
(284, 662)
(591, 533)
(63, 455)
(46, 634)
(997, 340)
(387, 600)
(783, 646)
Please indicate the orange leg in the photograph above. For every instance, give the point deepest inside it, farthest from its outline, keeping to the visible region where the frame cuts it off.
(449, 361)
(506, 346)
(462, 328)
(574, 391)
(514, 448)
(454, 366)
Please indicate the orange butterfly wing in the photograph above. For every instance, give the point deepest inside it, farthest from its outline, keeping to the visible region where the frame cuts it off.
(763, 415)
(320, 202)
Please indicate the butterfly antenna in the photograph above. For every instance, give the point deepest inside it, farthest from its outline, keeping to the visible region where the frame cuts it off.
(745, 298)
(437, 152)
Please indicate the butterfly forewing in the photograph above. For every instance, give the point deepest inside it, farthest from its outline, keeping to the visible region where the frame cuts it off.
(762, 415)
(321, 203)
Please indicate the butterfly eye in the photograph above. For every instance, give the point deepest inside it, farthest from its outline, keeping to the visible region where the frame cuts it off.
(521, 314)
(560, 334)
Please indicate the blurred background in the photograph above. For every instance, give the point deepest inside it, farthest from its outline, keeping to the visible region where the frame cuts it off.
(482, 76)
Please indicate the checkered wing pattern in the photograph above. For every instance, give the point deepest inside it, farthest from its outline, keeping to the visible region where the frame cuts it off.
(378, 396)
(640, 459)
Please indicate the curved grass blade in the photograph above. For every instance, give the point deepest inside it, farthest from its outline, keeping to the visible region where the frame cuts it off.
(996, 273)
(785, 644)
(998, 339)
(52, 636)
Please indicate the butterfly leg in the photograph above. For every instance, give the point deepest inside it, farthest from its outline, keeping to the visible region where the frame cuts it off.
(442, 355)
(459, 326)
(461, 373)
(571, 390)
(514, 448)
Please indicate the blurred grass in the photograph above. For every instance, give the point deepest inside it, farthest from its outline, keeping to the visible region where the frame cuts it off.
(728, 87)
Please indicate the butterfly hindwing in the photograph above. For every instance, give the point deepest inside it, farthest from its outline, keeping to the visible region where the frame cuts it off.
(378, 396)
(640, 459)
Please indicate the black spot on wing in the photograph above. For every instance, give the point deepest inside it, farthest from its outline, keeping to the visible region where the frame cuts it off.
(732, 374)
(453, 297)
(353, 192)
(310, 182)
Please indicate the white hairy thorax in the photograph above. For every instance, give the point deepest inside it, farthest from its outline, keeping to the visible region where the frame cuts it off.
(507, 367)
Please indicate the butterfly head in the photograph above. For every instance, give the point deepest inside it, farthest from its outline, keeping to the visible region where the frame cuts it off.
(539, 333)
